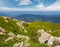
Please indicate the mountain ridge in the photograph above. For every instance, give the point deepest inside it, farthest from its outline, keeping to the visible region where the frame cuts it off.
(31, 18)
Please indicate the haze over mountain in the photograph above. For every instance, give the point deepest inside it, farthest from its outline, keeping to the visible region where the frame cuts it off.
(33, 15)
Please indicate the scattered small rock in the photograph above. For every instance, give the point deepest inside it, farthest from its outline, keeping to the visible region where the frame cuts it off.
(2, 31)
(5, 17)
(20, 24)
(11, 34)
(9, 38)
(23, 37)
(22, 44)
(6, 21)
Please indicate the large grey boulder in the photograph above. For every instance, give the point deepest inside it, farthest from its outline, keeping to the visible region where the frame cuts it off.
(44, 36)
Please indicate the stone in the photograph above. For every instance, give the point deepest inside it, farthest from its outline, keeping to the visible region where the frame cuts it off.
(5, 17)
(44, 36)
(22, 44)
(6, 21)
(16, 45)
(23, 37)
(50, 41)
(54, 41)
(11, 34)
(20, 24)
(2, 31)
(9, 38)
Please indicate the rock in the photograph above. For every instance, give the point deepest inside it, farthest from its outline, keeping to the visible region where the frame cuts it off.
(9, 38)
(6, 21)
(23, 37)
(2, 31)
(20, 24)
(54, 41)
(41, 31)
(22, 44)
(11, 34)
(28, 23)
(57, 46)
(15, 19)
(5, 17)
(44, 36)
(50, 41)
(16, 45)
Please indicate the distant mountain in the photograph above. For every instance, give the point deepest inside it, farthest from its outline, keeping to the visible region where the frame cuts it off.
(32, 17)
(12, 14)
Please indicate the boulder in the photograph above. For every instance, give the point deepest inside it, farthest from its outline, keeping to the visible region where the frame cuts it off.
(44, 36)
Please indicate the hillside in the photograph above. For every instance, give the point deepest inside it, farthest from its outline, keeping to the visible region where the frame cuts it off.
(15, 33)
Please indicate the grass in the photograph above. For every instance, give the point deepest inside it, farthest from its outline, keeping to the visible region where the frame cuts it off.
(32, 29)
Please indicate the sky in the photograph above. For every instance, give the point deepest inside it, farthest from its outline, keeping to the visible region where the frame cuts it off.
(29, 5)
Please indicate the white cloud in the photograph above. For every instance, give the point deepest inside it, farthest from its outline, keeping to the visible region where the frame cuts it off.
(24, 2)
(40, 7)
(53, 7)
(9, 9)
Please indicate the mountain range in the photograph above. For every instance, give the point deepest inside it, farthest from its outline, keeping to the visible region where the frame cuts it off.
(34, 16)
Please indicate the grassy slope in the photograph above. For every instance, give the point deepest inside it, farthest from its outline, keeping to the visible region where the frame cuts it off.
(31, 28)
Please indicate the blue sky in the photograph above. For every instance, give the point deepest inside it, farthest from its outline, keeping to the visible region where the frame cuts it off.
(29, 5)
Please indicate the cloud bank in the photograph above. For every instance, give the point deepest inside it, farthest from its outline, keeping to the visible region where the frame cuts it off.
(40, 7)
(53, 7)
(9, 9)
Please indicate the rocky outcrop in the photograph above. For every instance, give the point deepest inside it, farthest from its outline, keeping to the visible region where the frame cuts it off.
(11, 36)
(23, 37)
(22, 44)
(44, 36)
(5, 17)
(55, 42)
(20, 24)
(2, 30)
(49, 39)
